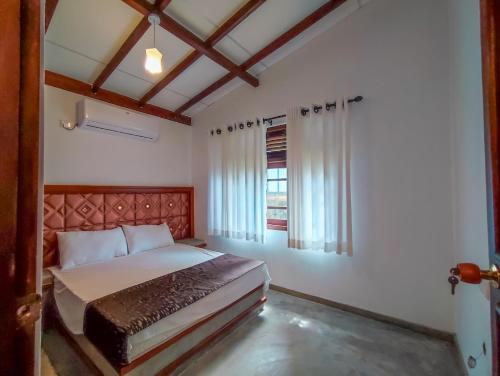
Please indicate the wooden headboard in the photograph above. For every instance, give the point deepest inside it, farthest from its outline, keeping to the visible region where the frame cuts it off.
(82, 207)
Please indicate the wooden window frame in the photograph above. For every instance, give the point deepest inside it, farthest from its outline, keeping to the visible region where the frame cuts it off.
(277, 224)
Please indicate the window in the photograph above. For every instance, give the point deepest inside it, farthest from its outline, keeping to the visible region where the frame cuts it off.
(276, 199)
(276, 178)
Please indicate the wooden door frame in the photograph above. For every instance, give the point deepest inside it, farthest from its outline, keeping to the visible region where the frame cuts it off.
(490, 47)
(20, 171)
(9, 104)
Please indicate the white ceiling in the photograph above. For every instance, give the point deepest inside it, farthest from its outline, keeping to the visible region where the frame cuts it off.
(85, 34)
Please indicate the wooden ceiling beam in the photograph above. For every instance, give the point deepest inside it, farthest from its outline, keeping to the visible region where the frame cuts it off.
(142, 7)
(209, 90)
(125, 48)
(50, 8)
(219, 34)
(232, 22)
(277, 43)
(129, 43)
(188, 37)
(162, 4)
(82, 88)
(172, 75)
(293, 32)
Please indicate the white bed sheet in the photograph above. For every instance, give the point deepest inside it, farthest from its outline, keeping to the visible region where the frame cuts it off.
(74, 288)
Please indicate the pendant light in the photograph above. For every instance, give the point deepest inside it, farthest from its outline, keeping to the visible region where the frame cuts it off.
(153, 56)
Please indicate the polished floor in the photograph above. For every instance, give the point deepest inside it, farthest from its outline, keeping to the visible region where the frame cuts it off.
(293, 336)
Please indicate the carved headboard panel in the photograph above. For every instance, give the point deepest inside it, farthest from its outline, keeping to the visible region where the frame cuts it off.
(81, 207)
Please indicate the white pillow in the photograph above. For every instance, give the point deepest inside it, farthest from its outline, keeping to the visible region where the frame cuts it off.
(146, 237)
(85, 247)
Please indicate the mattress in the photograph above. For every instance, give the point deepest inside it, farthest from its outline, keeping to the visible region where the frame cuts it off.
(74, 288)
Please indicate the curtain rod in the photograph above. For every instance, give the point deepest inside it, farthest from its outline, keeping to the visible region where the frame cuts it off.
(234, 127)
(316, 109)
(269, 120)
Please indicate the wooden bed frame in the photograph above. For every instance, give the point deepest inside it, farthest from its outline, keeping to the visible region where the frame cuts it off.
(77, 207)
(95, 360)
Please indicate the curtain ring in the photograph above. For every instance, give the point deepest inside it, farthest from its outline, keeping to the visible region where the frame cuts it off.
(212, 132)
(316, 109)
(230, 128)
(219, 131)
(258, 122)
(304, 111)
(249, 124)
(242, 126)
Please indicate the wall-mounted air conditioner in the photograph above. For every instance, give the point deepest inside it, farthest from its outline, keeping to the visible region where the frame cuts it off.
(99, 116)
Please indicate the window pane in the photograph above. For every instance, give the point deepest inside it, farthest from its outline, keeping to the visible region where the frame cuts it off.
(282, 173)
(276, 199)
(277, 193)
(272, 173)
(272, 186)
(276, 214)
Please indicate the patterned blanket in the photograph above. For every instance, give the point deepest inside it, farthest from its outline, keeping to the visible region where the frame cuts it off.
(110, 320)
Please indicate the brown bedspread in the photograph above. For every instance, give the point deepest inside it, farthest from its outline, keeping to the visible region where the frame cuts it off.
(110, 320)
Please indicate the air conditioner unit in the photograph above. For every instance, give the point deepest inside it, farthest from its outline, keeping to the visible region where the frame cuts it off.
(99, 116)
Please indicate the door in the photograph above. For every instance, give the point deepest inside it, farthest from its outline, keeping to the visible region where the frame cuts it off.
(467, 272)
(20, 131)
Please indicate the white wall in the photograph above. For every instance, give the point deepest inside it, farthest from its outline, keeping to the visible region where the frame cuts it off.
(471, 305)
(88, 157)
(394, 53)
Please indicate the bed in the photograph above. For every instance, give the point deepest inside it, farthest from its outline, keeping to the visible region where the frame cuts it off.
(162, 346)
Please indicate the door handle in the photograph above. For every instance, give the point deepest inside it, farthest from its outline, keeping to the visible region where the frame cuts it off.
(29, 310)
(471, 273)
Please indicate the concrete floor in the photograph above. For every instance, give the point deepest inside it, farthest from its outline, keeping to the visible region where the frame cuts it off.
(46, 367)
(293, 336)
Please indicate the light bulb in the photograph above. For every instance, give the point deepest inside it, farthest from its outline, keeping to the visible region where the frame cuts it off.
(153, 61)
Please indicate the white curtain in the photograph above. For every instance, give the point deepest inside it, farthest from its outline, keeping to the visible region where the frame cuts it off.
(237, 183)
(319, 192)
